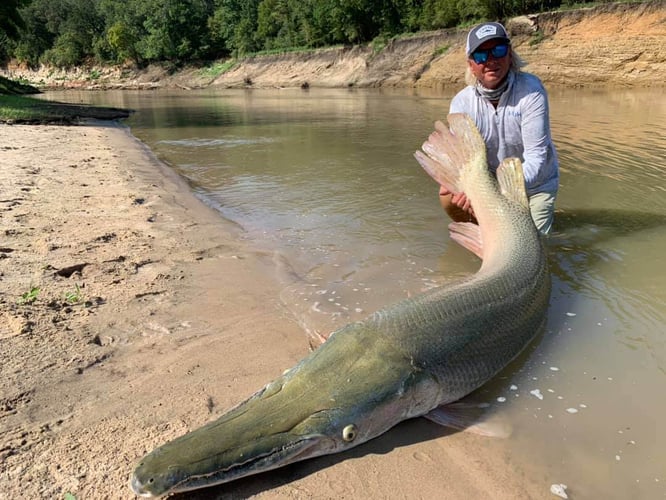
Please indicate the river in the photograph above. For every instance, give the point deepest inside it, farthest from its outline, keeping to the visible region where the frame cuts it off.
(325, 181)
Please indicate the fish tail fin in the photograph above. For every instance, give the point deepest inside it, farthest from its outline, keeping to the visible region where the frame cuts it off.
(512, 182)
(449, 148)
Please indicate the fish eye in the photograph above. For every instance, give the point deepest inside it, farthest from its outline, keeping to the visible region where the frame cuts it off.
(349, 433)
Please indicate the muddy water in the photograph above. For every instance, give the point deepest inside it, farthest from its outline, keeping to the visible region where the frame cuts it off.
(324, 180)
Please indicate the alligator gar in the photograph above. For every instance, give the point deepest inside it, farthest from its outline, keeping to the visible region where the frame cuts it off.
(403, 361)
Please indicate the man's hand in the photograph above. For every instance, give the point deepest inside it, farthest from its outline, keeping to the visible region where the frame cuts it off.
(460, 200)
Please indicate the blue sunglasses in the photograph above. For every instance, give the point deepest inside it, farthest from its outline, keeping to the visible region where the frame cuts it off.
(480, 56)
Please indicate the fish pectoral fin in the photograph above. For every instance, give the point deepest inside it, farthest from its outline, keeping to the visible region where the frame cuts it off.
(470, 417)
(467, 235)
(512, 182)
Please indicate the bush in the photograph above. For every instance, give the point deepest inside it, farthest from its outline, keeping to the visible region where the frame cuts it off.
(66, 51)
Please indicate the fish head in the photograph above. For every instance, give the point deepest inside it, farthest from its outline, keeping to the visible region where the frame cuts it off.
(161, 472)
(307, 412)
(229, 452)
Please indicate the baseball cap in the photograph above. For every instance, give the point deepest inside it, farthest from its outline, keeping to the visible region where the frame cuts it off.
(484, 32)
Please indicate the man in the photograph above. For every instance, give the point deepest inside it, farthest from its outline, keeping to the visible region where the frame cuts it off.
(510, 109)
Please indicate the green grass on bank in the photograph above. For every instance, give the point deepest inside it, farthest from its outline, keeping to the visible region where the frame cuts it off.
(8, 86)
(22, 109)
(217, 68)
(16, 107)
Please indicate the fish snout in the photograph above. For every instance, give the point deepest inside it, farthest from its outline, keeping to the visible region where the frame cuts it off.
(139, 488)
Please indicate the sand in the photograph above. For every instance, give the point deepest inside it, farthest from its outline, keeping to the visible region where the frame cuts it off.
(153, 316)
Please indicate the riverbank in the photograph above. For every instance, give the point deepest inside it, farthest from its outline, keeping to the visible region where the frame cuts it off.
(132, 313)
(128, 311)
(613, 44)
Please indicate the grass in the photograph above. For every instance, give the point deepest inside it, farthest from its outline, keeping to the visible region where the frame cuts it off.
(8, 86)
(17, 107)
(441, 50)
(28, 297)
(537, 38)
(75, 296)
(379, 43)
(218, 68)
(23, 109)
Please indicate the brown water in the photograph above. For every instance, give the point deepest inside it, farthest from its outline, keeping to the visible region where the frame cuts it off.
(325, 180)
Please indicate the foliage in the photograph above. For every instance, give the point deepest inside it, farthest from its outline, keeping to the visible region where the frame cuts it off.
(10, 23)
(75, 296)
(234, 23)
(28, 297)
(218, 68)
(537, 38)
(175, 30)
(10, 18)
(8, 87)
(441, 50)
(21, 109)
(71, 32)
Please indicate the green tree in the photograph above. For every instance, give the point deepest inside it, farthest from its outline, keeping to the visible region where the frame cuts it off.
(176, 30)
(67, 51)
(234, 23)
(35, 37)
(10, 24)
(10, 18)
(317, 23)
(438, 14)
(61, 32)
(122, 40)
(280, 24)
(69, 32)
(123, 30)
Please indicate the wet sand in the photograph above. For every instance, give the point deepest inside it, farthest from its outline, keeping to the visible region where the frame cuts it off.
(153, 316)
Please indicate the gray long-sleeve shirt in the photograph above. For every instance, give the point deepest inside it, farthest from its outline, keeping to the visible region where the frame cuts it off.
(518, 127)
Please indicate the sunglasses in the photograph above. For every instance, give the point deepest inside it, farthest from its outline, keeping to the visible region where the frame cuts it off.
(480, 56)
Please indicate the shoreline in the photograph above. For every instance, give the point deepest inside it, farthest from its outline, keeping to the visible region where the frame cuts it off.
(89, 208)
(152, 318)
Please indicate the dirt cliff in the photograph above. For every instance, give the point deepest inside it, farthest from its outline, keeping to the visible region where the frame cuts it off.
(612, 44)
(615, 44)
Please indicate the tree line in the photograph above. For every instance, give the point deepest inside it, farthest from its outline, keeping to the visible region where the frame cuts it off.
(72, 32)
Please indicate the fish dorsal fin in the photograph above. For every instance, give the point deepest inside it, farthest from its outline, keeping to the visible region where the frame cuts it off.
(467, 235)
(449, 149)
(512, 182)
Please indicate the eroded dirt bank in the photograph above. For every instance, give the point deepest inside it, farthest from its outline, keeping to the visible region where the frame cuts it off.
(614, 44)
(609, 45)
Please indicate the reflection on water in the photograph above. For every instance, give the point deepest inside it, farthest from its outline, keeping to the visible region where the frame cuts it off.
(325, 179)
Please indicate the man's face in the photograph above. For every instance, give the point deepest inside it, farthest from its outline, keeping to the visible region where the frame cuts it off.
(491, 72)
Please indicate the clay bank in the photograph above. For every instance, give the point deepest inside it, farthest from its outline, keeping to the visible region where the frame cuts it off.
(618, 45)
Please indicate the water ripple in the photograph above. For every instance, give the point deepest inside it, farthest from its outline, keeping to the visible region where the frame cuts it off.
(227, 142)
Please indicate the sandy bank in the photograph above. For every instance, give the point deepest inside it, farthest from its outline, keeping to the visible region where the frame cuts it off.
(152, 317)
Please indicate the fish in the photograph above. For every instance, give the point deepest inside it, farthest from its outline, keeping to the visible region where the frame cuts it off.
(413, 358)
